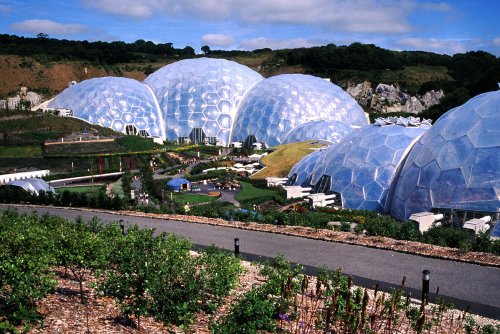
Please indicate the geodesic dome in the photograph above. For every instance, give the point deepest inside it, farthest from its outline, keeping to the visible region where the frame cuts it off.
(277, 105)
(32, 185)
(300, 174)
(456, 164)
(324, 130)
(199, 97)
(124, 105)
(363, 166)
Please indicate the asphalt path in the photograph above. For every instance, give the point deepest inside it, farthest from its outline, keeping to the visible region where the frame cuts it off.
(459, 283)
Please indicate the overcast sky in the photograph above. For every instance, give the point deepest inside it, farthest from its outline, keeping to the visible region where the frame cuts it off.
(438, 26)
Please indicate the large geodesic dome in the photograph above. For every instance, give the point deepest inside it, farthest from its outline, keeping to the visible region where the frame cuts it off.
(125, 105)
(456, 164)
(200, 97)
(363, 166)
(323, 130)
(277, 105)
(301, 172)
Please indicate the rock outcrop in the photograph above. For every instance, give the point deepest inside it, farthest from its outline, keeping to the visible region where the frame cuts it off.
(388, 98)
(24, 99)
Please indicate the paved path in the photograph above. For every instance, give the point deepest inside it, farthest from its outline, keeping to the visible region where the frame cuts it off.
(226, 195)
(460, 283)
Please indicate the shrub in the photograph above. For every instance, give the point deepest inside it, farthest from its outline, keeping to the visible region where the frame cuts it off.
(219, 271)
(253, 313)
(446, 236)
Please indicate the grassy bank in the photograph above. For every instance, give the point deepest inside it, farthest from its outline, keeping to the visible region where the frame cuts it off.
(281, 160)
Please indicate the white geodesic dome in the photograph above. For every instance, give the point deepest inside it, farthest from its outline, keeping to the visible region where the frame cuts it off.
(323, 130)
(301, 172)
(456, 164)
(364, 165)
(275, 106)
(199, 98)
(124, 105)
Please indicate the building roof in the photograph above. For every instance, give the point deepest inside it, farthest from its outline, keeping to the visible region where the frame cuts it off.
(32, 185)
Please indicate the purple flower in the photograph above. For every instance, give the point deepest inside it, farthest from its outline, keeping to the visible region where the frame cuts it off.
(283, 316)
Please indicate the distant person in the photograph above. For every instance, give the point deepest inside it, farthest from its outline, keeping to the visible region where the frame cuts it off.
(186, 207)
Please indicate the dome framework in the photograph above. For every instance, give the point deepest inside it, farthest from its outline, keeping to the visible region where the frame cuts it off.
(455, 165)
(124, 105)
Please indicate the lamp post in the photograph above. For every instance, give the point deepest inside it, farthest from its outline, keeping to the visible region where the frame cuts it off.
(122, 226)
(426, 278)
(237, 247)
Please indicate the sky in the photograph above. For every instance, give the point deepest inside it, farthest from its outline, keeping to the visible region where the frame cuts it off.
(445, 27)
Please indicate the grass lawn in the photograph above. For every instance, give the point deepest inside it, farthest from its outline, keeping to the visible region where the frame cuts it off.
(249, 192)
(191, 198)
(20, 151)
(80, 189)
(281, 160)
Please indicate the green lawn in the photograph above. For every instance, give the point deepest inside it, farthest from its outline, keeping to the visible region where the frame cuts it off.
(20, 151)
(80, 189)
(250, 193)
(191, 198)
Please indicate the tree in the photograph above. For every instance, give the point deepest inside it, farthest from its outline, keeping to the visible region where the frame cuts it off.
(205, 49)
(42, 36)
(146, 177)
(132, 272)
(79, 250)
(188, 51)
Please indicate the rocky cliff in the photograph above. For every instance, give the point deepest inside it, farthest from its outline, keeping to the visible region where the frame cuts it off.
(388, 98)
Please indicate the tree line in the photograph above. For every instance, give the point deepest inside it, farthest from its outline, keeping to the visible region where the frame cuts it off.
(51, 49)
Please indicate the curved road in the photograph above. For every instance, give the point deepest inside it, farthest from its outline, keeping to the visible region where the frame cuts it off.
(459, 283)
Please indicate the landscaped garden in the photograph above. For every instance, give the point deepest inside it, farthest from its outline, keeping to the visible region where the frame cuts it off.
(60, 275)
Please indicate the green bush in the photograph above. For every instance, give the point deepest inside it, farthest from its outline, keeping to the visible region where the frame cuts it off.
(219, 271)
(25, 259)
(254, 313)
(446, 236)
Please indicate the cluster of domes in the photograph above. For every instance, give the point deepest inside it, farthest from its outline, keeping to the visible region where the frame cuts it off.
(404, 166)
(216, 101)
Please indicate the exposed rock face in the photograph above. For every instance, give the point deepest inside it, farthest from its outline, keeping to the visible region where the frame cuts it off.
(24, 95)
(388, 98)
(34, 98)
